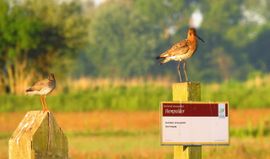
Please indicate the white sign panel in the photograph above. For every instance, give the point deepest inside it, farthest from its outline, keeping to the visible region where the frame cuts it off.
(194, 123)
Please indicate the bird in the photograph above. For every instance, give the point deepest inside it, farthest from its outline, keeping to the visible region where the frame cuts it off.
(43, 88)
(181, 51)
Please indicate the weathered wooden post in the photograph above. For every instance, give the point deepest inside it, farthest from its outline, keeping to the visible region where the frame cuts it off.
(187, 123)
(38, 137)
(182, 92)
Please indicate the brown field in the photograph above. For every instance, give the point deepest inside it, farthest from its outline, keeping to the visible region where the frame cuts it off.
(94, 134)
(113, 120)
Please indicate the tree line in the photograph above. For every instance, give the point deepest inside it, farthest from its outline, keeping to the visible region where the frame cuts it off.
(120, 38)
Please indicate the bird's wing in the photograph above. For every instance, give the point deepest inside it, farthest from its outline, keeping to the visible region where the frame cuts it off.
(177, 49)
(39, 85)
(179, 45)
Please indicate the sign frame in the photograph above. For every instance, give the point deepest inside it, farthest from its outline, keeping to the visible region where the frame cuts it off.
(221, 143)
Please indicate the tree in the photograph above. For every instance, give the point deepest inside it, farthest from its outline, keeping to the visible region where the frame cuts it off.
(17, 30)
(35, 36)
(121, 41)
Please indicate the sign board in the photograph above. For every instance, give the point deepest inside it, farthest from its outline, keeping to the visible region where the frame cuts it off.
(194, 123)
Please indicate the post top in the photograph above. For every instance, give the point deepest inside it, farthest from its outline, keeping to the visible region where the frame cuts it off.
(187, 83)
(29, 125)
(186, 91)
(38, 136)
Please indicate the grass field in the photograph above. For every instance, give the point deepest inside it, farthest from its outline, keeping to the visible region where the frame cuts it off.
(135, 135)
(134, 95)
(119, 119)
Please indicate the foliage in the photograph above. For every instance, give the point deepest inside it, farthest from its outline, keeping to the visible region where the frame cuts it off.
(121, 44)
(120, 38)
(32, 42)
(232, 38)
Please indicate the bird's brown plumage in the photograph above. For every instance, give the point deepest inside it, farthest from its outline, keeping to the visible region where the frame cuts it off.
(42, 84)
(182, 50)
(38, 85)
(43, 88)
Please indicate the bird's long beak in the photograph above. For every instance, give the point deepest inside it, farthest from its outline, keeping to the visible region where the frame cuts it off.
(200, 38)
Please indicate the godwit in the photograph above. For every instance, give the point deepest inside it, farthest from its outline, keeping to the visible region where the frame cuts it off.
(181, 51)
(43, 88)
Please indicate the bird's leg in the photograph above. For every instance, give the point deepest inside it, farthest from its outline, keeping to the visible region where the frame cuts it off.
(185, 70)
(45, 103)
(179, 71)
(42, 103)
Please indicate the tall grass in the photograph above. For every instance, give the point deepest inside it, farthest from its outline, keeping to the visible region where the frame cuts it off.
(137, 94)
(115, 98)
(253, 93)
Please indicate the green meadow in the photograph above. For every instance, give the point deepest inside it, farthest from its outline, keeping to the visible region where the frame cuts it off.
(252, 93)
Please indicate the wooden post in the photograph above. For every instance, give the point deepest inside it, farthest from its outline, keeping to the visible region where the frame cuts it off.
(38, 137)
(187, 91)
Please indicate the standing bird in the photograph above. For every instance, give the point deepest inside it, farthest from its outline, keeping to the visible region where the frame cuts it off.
(43, 88)
(181, 51)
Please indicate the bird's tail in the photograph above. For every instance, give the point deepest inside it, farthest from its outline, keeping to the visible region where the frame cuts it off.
(29, 90)
(158, 57)
(163, 59)
(160, 62)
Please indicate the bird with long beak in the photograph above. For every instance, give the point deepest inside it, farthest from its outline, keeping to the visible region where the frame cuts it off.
(182, 51)
(43, 88)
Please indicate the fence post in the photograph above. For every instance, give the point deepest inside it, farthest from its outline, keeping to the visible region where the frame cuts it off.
(187, 91)
(38, 137)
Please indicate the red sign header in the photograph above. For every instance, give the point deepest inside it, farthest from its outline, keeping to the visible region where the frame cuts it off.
(195, 109)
